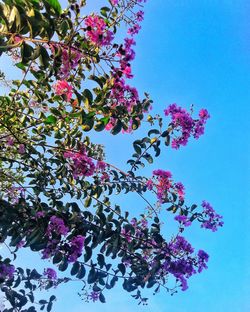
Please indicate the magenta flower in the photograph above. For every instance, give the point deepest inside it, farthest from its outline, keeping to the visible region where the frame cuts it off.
(63, 88)
(183, 123)
(82, 165)
(97, 31)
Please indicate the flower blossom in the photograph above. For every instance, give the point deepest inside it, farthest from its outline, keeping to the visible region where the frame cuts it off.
(6, 271)
(97, 31)
(76, 246)
(56, 226)
(212, 220)
(183, 122)
(63, 88)
(50, 274)
(82, 164)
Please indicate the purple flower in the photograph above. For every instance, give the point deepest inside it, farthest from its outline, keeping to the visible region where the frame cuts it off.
(180, 189)
(50, 249)
(212, 220)
(76, 246)
(20, 244)
(94, 296)
(40, 214)
(183, 123)
(100, 165)
(204, 114)
(10, 141)
(82, 164)
(149, 184)
(50, 274)
(179, 245)
(56, 226)
(6, 271)
(202, 259)
(183, 219)
(162, 173)
(21, 149)
(144, 223)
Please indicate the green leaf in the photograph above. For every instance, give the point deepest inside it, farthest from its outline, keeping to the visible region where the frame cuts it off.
(75, 268)
(81, 273)
(149, 158)
(91, 276)
(137, 149)
(88, 253)
(63, 265)
(26, 52)
(102, 298)
(55, 4)
(153, 131)
(88, 97)
(117, 128)
(50, 120)
(44, 57)
(122, 268)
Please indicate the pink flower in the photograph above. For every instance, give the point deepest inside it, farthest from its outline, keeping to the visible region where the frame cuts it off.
(149, 184)
(180, 189)
(63, 88)
(127, 72)
(204, 114)
(100, 165)
(97, 31)
(82, 165)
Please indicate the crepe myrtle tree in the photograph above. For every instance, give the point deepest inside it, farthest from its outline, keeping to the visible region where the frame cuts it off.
(57, 188)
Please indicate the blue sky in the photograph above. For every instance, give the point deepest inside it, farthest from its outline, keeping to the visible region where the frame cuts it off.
(196, 52)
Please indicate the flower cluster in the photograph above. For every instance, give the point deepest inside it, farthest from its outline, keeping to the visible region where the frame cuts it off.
(70, 60)
(6, 271)
(76, 246)
(121, 93)
(73, 247)
(50, 274)
(183, 122)
(82, 165)
(212, 220)
(184, 220)
(56, 226)
(63, 88)
(97, 31)
(94, 296)
(202, 260)
(14, 194)
(162, 184)
(183, 263)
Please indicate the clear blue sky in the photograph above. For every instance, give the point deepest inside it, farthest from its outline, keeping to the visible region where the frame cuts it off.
(197, 52)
